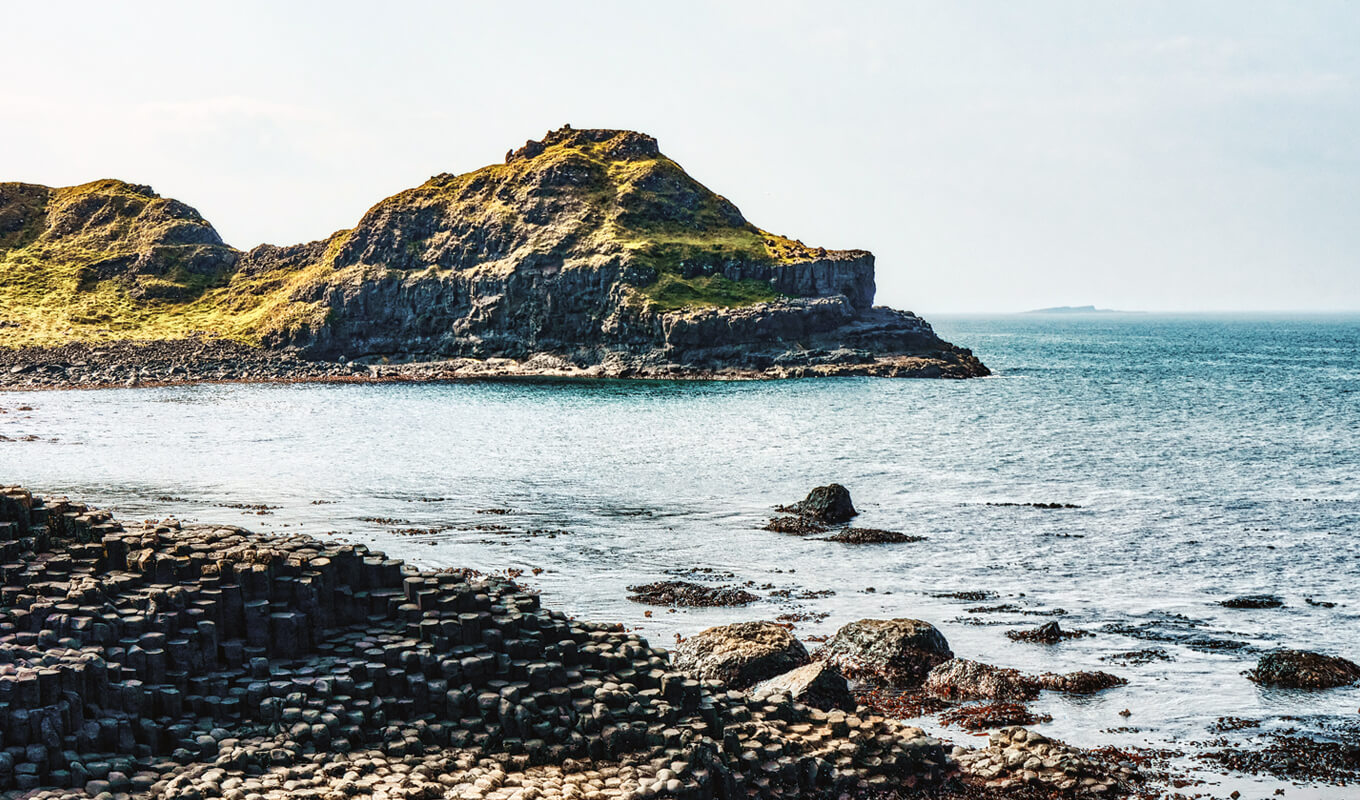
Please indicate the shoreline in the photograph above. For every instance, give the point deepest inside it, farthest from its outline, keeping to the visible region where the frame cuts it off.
(129, 364)
(157, 614)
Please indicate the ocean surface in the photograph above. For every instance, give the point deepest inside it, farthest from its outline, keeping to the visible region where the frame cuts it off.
(1211, 456)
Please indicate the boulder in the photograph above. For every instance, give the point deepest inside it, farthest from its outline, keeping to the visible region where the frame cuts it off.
(887, 652)
(1301, 669)
(830, 504)
(816, 684)
(962, 679)
(740, 655)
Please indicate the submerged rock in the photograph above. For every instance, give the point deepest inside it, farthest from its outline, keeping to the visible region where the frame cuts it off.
(684, 593)
(887, 652)
(816, 684)
(1253, 601)
(872, 536)
(1048, 633)
(1301, 669)
(740, 655)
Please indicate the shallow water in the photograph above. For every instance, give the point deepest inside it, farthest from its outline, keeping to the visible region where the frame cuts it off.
(1211, 457)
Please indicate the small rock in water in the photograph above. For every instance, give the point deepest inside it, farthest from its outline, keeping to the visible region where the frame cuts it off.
(829, 504)
(1301, 669)
(684, 593)
(1253, 601)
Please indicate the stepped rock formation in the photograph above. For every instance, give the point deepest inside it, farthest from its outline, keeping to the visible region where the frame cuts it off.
(196, 662)
(589, 247)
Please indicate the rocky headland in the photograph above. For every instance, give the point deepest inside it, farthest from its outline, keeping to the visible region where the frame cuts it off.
(586, 254)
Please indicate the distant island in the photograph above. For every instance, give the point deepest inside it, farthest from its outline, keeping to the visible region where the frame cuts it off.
(588, 253)
(1077, 310)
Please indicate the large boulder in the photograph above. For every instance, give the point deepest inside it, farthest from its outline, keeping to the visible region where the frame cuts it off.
(1301, 669)
(740, 655)
(887, 652)
(962, 679)
(830, 504)
(816, 684)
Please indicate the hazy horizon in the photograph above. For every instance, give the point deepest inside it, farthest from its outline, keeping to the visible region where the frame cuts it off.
(994, 157)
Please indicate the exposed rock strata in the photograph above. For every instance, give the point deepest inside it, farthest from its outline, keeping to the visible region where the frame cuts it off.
(200, 662)
(589, 249)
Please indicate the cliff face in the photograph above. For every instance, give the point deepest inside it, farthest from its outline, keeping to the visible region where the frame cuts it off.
(589, 245)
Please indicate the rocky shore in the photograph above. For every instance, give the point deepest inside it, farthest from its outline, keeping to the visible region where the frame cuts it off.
(190, 361)
(169, 661)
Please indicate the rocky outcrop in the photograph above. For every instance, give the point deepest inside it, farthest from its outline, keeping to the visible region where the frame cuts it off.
(887, 652)
(1301, 669)
(825, 504)
(192, 662)
(740, 655)
(590, 247)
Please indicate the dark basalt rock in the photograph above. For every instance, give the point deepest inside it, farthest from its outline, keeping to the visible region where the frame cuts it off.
(684, 593)
(1048, 633)
(887, 652)
(1253, 601)
(872, 536)
(826, 504)
(740, 655)
(169, 662)
(1301, 669)
(991, 715)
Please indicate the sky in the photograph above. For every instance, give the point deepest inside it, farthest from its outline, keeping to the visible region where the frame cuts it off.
(995, 156)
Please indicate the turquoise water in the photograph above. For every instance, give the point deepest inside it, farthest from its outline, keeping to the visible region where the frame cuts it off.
(1210, 457)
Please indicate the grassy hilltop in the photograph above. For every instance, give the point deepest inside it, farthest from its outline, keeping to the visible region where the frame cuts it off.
(108, 260)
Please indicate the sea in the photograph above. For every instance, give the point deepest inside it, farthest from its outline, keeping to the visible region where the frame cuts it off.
(1207, 456)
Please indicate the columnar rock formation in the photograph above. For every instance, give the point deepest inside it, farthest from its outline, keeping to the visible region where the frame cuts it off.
(194, 662)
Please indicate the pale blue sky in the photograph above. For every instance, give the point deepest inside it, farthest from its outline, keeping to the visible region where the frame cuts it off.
(996, 156)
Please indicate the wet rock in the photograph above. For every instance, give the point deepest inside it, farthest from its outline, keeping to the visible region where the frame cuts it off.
(1301, 669)
(1253, 601)
(963, 679)
(801, 526)
(887, 652)
(1079, 682)
(991, 715)
(1048, 633)
(872, 536)
(740, 655)
(816, 684)
(684, 593)
(826, 504)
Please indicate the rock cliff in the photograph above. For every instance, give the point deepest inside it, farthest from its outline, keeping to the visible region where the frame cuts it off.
(589, 246)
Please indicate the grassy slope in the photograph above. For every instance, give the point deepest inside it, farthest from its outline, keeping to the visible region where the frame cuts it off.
(48, 296)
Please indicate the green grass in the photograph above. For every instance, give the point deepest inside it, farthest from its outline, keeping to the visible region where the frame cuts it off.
(670, 292)
(647, 211)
